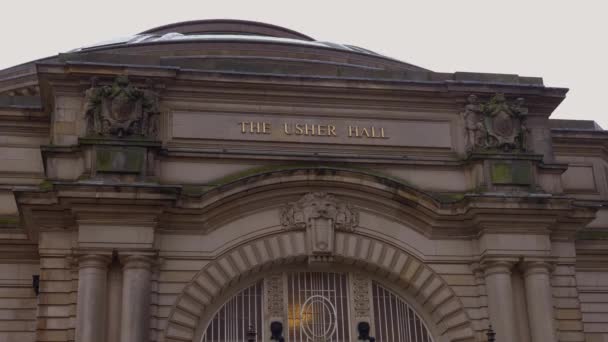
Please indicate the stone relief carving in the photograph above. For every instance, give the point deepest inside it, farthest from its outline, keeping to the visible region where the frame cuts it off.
(314, 205)
(320, 214)
(274, 294)
(361, 295)
(121, 109)
(495, 124)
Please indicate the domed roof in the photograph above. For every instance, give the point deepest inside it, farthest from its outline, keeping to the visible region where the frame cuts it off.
(225, 30)
(228, 26)
(240, 47)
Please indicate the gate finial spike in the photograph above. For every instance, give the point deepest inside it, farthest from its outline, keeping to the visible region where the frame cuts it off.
(491, 334)
(251, 334)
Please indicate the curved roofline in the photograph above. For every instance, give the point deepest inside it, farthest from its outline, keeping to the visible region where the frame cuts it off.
(312, 44)
(195, 27)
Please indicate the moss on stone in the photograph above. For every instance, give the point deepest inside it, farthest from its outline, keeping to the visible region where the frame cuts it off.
(9, 220)
(592, 235)
(511, 172)
(501, 173)
(322, 168)
(46, 185)
(451, 197)
(193, 190)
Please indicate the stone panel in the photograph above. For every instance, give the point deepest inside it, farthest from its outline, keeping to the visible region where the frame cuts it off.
(579, 178)
(271, 128)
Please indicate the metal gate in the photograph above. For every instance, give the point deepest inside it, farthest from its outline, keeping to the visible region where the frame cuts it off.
(318, 310)
(236, 316)
(395, 320)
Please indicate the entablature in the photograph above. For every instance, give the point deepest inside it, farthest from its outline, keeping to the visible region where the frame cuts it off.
(171, 209)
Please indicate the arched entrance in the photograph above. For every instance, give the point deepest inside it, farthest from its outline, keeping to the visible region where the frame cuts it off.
(338, 305)
(283, 259)
(321, 230)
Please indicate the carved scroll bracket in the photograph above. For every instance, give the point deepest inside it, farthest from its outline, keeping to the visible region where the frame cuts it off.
(320, 214)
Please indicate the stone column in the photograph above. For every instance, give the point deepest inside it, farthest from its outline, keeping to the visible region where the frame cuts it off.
(500, 299)
(537, 278)
(114, 302)
(137, 274)
(91, 306)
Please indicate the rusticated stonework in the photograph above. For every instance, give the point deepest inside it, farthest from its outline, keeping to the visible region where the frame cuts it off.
(274, 294)
(297, 215)
(361, 295)
(121, 109)
(496, 124)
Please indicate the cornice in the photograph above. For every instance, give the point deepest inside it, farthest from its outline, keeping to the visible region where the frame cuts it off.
(24, 121)
(540, 98)
(173, 208)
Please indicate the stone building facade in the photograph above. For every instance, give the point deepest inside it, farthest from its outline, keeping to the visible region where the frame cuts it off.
(227, 180)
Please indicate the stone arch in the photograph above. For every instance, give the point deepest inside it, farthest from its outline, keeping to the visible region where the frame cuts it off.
(241, 196)
(388, 261)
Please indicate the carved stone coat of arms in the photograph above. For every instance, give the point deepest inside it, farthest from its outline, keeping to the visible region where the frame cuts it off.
(121, 109)
(496, 124)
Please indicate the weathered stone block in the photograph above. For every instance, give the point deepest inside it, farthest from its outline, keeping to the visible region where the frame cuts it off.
(511, 173)
(120, 159)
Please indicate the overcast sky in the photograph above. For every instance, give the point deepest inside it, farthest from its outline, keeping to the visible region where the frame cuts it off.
(565, 42)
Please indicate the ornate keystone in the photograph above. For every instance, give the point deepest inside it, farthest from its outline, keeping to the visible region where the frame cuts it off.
(122, 110)
(320, 214)
(315, 205)
(496, 124)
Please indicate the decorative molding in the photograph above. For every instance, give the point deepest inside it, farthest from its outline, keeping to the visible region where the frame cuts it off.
(298, 215)
(361, 296)
(495, 124)
(121, 109)
(274, 295)
(320, 214)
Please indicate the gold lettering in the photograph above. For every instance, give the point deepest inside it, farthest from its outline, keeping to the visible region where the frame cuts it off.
(243, 127)
(251, 127)
(350, 131)
(321, 130)
(299, 130)
(373, 132)
(285, 129)
(266, 128)
(332, 130)
(364, 132)
(382, 133)
(307, 130)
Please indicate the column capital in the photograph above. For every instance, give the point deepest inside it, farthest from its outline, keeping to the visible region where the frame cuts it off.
(497, 265)
(131, 261)
(94, 261)
(530, 266)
